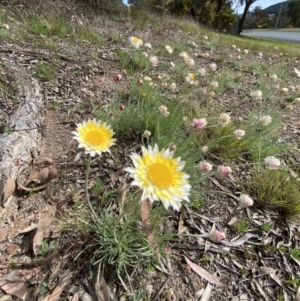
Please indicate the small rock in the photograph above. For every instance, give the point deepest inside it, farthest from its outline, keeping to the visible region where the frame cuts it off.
(12, 249)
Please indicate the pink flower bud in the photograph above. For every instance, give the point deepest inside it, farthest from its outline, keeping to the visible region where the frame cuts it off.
(205, 166)
(140, 81)
(199, 124)
(272, 162)
(224, 170)
(245, 201)
(239, 134)
(118, 77)
(121, 107)
(217, 236)
(266, 119)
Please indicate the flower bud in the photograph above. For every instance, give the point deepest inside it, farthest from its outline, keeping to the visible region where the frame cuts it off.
(239, 134)
(205, 166)
(272, 162)
(199, 124)
(245, 201)
(224, 171)
(147, 134)
(118, 77)
(217, 236)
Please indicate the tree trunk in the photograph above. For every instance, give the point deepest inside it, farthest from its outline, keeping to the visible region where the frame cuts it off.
(219, 6)
(243, 18)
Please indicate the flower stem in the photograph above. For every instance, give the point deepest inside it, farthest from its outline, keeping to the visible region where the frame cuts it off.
(87, 173)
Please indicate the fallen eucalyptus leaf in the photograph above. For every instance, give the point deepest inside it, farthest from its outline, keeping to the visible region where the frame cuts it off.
(265, 271)
(43, 175)
(203, 273)
(64, 281)
(44, 223)
(101, 289)
(239, 241)
(52, 173)
(16, 288)
(9, 188)
(207, 293)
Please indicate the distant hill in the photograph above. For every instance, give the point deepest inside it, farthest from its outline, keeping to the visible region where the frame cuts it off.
(273, 9)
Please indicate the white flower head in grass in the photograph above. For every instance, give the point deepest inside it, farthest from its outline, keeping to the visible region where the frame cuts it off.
(204, 149)
(266, 119)
(256, 95)
(239, 134)
(284, 90)
(160, 176)
(214, 85)
(173, 87)
(234, 47)
(153, 61)
(225, 119)
(95, 136)
(135, 42)
(297, 72)
(272, 162)
(190, 78)
(172, 64)
(148, 78)
(273, 77)
(169, 49)
(148, 45)
(190, 62)
(164, 110)
(147, 134)
(184, 55)
(202, 72)
(213, 66)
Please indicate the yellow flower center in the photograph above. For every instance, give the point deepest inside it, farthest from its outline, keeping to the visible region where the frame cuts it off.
(95, 137)
(192, 76)
(136, 40)
(160, 175)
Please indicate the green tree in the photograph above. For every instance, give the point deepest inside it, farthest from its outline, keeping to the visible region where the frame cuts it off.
(294, 12)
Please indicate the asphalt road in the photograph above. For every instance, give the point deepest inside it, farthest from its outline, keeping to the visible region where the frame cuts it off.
(292, 37)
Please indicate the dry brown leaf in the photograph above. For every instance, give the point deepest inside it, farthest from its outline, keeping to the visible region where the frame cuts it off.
(37, 241)
(9, 188)
(43, 175)
(45, 222)
(121, 198)
(207, 293)
(52, 173)
(181, 226)
(102, 290)
(48, 160)
(33, 176)
(145, 212)
(64, 281)
(203, 273)
(16, 288)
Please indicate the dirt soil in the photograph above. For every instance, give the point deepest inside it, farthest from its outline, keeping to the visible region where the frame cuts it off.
(250, 269)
